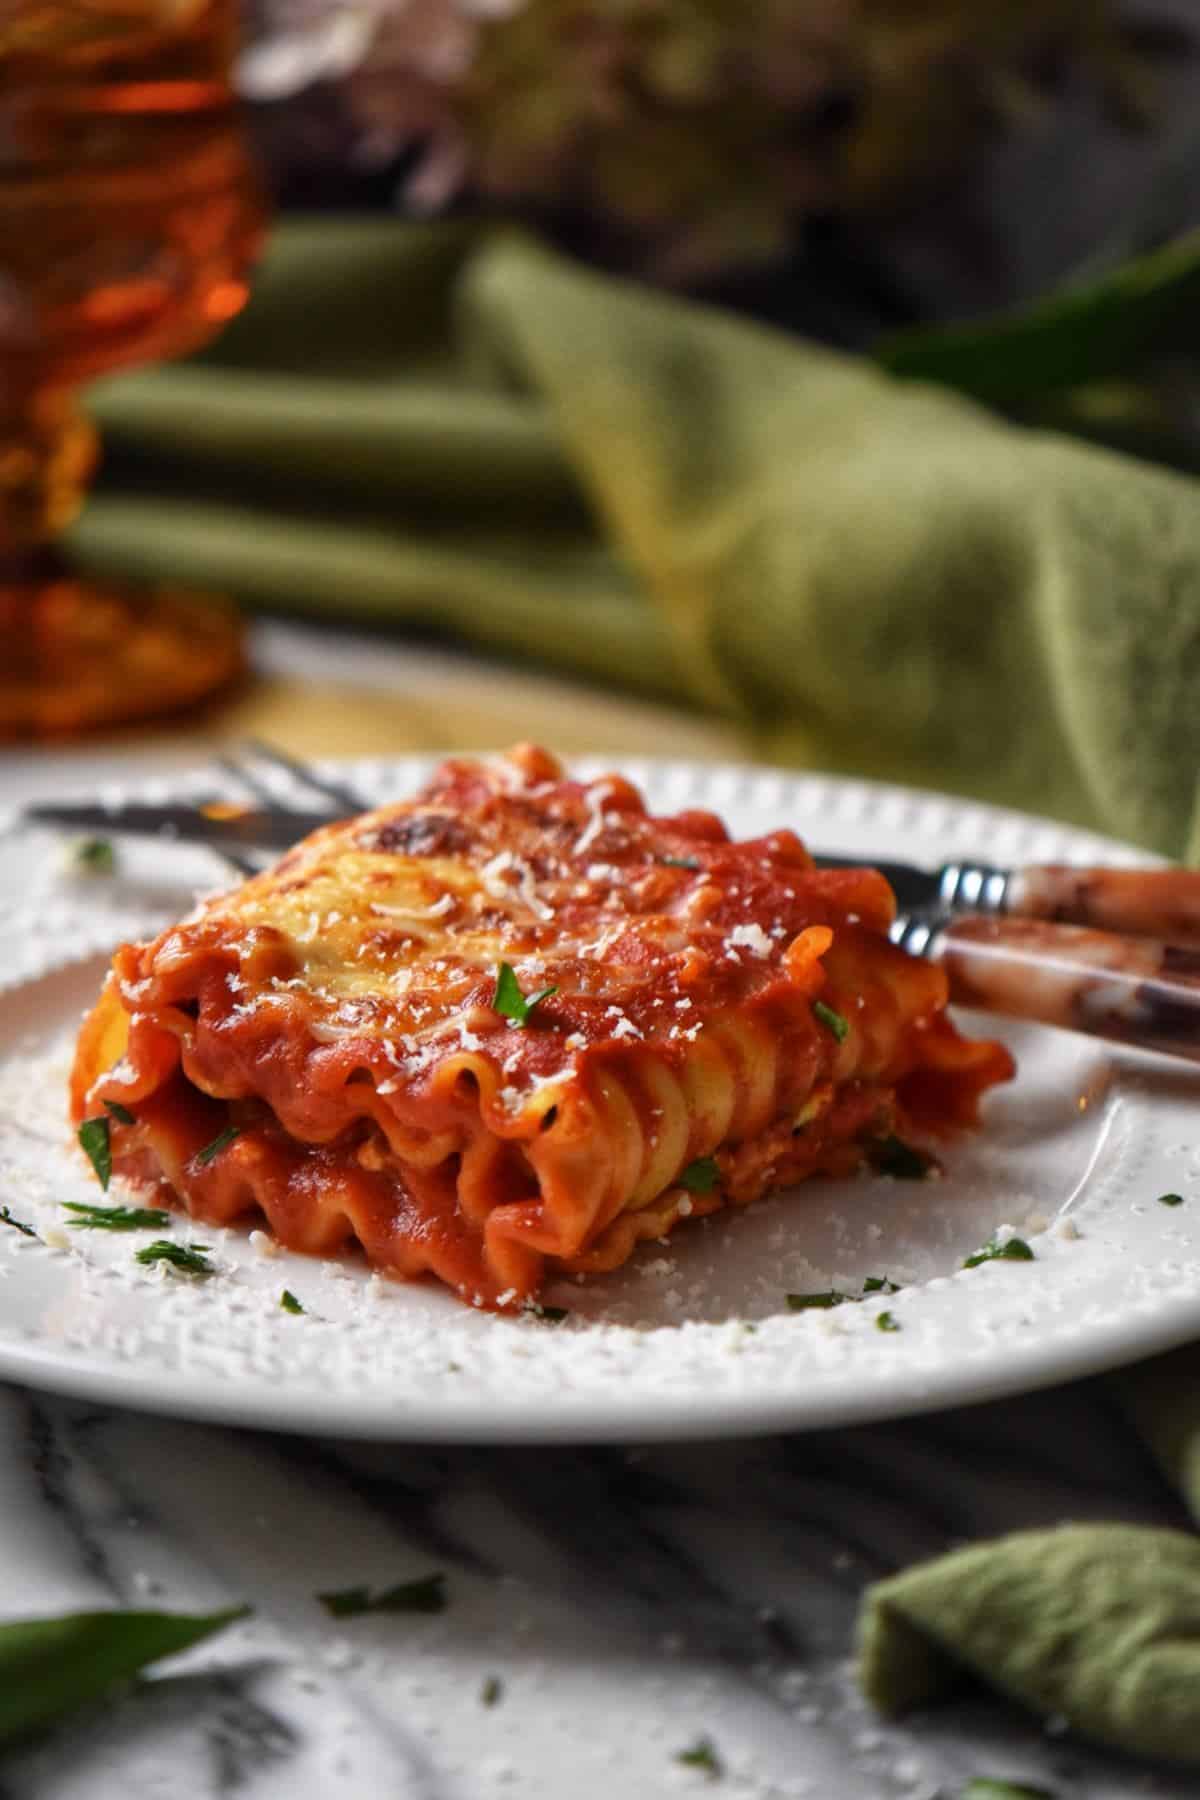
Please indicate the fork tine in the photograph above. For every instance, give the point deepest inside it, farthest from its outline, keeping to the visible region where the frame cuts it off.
(342, 796)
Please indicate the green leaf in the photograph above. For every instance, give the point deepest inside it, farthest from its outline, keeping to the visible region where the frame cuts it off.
(702, 1755)
(120, 1113)
(817, 1302)
(510, 1002)
(219, 1143)
(93, 1141)
(1015, 1250)
(833, 1021)
(1089, 332)
(886, 1321)
(1170, 1199)
(985, 1787)
(425, 1595)
(189, 1259)
(93, 856)
(680, 862)
(116, 1218)
(892, 1156)
(880, 1284)
(6, 1218)
(50, 1666)
(700, 1177)
(491, 1691)
(289, 1302)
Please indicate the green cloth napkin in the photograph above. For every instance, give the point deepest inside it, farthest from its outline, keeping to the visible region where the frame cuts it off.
(1095, 1624)
(443, 429)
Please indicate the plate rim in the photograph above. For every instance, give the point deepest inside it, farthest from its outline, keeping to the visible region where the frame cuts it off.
(649, 1415)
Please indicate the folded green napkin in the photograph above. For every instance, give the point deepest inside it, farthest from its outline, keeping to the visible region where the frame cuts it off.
(1097, 1625)
(442, 429)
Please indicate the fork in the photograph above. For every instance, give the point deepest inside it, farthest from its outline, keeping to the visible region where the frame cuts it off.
(1120, 985)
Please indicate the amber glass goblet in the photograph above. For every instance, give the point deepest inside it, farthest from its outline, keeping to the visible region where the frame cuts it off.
(129, 215)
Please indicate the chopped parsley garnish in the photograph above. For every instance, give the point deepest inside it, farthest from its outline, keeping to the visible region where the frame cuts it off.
(93, 1141)
(219, 1143)
(94, 856)
(116, 1218)
(1170, 1199)
(681, 862)
(821, 1302)
(892, 1156)
(491, 1691)
(1014, 1250)
(510, 1002)
(549, 1315)
(985, 1788)
(833, 1022)
(702, 1755)
(120, 1113)
(289, 1302)
(425, 1595)
(700, 1177)
(6, 1218)
(189, 1259)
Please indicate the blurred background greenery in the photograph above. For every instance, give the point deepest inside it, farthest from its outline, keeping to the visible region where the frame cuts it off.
(871, 173)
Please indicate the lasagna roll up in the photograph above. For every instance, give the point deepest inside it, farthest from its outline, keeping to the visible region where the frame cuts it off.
(515, 1026)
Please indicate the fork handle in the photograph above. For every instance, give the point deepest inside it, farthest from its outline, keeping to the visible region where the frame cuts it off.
(1130, 990)
(1161, 903)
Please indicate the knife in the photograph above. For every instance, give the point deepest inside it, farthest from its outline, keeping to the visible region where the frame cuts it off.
(1065, 945)
(1152, 902)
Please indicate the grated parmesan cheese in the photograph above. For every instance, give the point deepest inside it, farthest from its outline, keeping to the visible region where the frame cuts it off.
(752, 938)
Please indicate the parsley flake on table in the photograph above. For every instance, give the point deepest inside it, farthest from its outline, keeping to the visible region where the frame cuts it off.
(490, 1692)
(6, 1218)
(701, 1755)
(510, 1002)
(1014, 1249)
(700, 1177)
(425, 1595)
(1170, 1199)
(116, 1218)
(834, 1022)
(94, 1142)
(880, 1284)
(886, 1321)
(985, 1788)
(817, 1302)
(93, 856)
(289, 1302)
(189, 1259)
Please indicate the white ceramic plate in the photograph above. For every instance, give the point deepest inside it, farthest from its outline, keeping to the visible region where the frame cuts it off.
(690, 1339)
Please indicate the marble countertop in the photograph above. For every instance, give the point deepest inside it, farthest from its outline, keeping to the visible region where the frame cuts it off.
(629, 1603)
(607, 1609)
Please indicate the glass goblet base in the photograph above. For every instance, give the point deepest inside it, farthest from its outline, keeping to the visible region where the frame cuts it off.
(77, 656)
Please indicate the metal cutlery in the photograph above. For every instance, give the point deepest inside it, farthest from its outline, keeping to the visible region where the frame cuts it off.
(1111, 952)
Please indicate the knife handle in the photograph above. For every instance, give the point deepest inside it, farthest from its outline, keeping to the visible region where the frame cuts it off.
(1161, 903)
(1129, 990)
